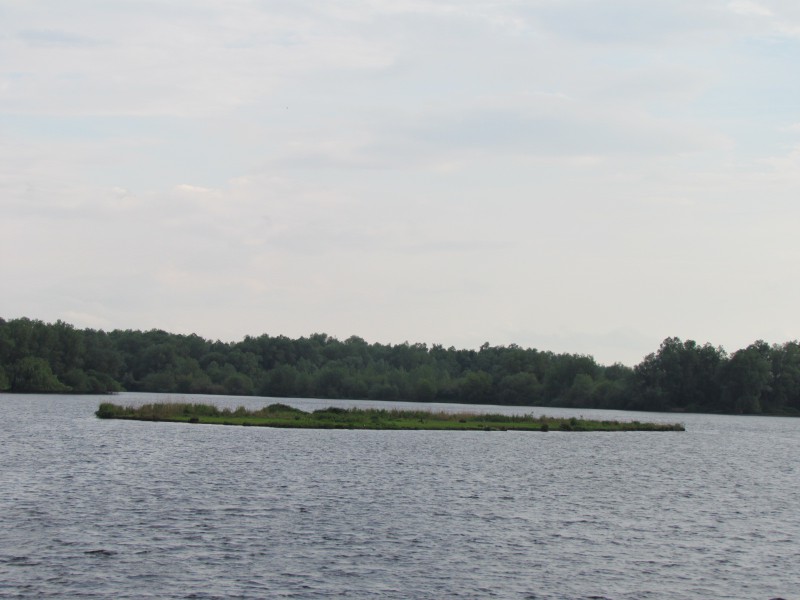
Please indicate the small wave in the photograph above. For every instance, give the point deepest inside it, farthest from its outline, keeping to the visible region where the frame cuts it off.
(19, 561)
(100, 552)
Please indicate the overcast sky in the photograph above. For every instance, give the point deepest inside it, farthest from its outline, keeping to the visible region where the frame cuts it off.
(572, 175)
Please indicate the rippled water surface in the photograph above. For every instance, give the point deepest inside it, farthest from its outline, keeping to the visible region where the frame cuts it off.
(120, 509)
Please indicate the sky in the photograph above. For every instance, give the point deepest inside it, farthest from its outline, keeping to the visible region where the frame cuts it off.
(577, 176)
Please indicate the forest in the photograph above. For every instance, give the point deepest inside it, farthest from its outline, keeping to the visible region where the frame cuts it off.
(681, 376)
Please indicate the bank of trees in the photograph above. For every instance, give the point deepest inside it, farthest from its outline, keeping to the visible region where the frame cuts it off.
(679, 376)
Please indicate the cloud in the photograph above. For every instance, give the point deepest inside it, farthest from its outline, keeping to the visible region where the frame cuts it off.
(624, 21)
(748, 8)
(193, 61)
(56, 38)
(572, 132)
(462, 137)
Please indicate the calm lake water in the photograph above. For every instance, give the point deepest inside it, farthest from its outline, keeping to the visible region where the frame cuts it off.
(116, 509)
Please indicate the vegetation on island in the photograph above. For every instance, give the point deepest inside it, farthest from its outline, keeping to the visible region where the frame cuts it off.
(679, 376)
(281, 415)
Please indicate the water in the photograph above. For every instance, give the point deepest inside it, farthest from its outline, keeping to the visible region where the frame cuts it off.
(118, 509)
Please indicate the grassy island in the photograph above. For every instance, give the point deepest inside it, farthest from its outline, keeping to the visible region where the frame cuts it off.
(281, 415)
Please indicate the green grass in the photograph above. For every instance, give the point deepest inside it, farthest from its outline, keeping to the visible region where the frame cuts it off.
(281, 415)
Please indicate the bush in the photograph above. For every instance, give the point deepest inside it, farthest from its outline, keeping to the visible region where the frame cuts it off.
(106, 411)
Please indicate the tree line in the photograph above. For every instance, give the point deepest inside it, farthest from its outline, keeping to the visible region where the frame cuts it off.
(680, 376)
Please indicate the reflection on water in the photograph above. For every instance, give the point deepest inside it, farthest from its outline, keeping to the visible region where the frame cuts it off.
(120, 509)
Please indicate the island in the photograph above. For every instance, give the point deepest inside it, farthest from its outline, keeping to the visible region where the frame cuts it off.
(284, 416)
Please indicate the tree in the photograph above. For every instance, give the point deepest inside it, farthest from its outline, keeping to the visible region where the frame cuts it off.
(33, 374)
(747, 379)
(785, 385)
(561, 373)
(329, 381)
(580, 393)
(522, 389)
(476, 388)
(681, 375)
(424, 390)
(89, 382)
(280, 382)
(239, 384)
(5, 384)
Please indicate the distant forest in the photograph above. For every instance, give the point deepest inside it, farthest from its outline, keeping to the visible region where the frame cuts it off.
(680, 376)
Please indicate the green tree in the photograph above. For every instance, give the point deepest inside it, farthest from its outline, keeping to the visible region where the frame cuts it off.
(560, 375)
(239, 384)
(33, 374)
(160, 381)
(580, 394)
(785, 385)
(747, 379)
(476, 388)
(424, 390)
(681, 375)
(5, 384)
(329, 381)
(89, 382)
(522, 389)
(281, 382)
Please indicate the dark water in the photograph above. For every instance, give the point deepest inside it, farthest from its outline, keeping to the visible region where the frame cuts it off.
(114, 509)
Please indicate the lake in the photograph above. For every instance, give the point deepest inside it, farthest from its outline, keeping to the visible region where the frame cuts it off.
(125, 509)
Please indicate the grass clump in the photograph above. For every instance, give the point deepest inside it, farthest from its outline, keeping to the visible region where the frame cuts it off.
(282, 415)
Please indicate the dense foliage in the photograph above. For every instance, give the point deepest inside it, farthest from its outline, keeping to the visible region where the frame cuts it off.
(680, 376)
